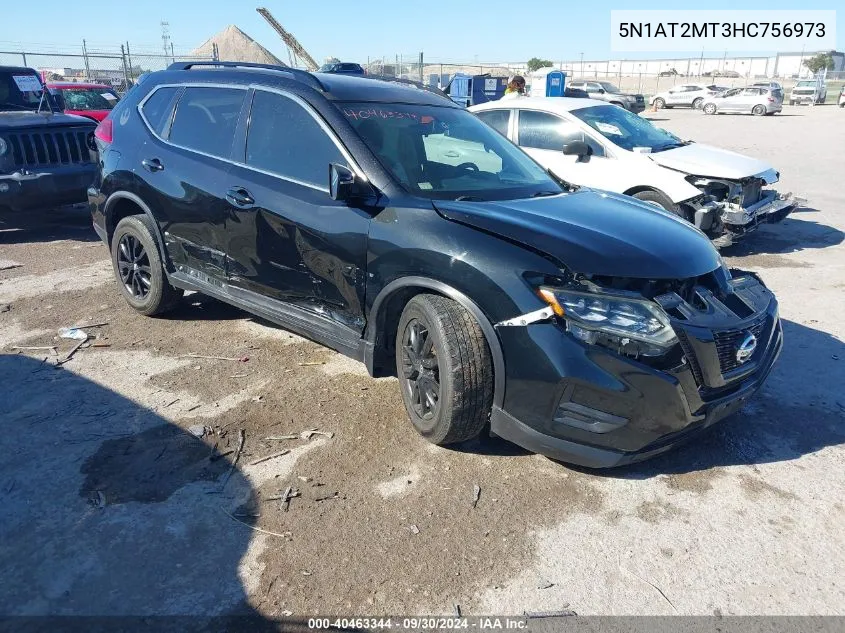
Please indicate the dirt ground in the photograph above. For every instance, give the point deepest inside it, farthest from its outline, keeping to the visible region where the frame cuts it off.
(118, 496)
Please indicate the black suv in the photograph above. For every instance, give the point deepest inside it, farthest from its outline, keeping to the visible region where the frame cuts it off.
(46, 158)
(386, 222)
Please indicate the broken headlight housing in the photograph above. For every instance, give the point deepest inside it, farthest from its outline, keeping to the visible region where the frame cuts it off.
(629, 325)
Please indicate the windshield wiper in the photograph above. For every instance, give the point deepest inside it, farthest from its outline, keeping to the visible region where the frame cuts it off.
(469, 199)
(543, 194)
(662, 148)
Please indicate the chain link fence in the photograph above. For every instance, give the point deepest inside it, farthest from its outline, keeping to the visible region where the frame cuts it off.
(119, 69)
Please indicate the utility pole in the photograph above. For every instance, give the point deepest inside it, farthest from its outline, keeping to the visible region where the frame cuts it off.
(129, 57)
(125, 72)
(165, 37)
(172, 55)
(582, 65)
(85, 56)
(421, 67)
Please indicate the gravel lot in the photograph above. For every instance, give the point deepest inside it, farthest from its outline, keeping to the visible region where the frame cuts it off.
(110, 504)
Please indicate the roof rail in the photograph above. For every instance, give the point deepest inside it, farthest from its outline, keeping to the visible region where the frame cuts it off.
(410, 82)
(296, 73)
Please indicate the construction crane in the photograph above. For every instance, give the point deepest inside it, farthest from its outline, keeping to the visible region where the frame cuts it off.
(295, 50)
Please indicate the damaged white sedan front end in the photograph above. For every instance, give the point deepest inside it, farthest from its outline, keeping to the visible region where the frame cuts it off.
(737, 207)
(736, 190)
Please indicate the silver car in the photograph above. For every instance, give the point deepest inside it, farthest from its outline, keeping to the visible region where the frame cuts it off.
(750, 100)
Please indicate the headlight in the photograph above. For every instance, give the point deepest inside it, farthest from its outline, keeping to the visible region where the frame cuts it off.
(593, 317)
(4, 147)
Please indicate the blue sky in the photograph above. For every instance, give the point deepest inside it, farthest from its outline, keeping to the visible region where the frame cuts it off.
(446, 30)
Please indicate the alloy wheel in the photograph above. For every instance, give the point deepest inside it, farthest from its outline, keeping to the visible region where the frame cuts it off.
(420, 370)
(134, 267)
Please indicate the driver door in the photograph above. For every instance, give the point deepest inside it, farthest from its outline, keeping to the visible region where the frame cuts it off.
(676, 95)
(543, 135)
(730, 100)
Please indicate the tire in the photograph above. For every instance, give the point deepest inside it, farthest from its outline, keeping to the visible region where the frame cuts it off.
(659, 103)
(709, 108)
(842, 105)
(758, 110)
(138, 267)
(439, 341)
(792, 103)
(661, 200)
(697, 103)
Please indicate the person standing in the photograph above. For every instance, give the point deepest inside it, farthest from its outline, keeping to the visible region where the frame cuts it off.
(516, 88)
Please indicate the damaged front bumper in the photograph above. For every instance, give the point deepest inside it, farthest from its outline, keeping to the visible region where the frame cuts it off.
(590, 405)
(770, 209)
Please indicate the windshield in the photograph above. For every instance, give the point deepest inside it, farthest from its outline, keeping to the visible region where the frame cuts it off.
(87, 98)
(625, 129)
(609, 87)
(446, 153)
(19, 90)
(806, 84)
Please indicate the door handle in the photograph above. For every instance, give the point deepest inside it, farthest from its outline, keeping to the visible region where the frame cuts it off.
(451, 154)
(240, 197)
(152, 164)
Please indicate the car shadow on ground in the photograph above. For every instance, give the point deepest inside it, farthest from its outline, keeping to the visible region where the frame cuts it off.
(108, 509)
(47, 225)
(796, 233)
(783, 422)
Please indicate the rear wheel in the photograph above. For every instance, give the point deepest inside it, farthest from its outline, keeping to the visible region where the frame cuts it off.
(659, 103)
(445, 369)
(138, 267)
(709, 108)
(758, 110)
(698, 103)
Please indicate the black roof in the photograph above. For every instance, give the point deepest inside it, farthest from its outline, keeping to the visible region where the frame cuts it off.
(18, 69)
(335, 87)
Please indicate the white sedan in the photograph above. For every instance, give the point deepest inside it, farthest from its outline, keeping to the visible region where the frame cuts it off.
(686, 95)
(600, 145)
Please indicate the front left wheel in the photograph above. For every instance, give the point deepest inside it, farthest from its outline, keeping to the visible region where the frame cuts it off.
(138, 267)
(758, 110)
(445, 369)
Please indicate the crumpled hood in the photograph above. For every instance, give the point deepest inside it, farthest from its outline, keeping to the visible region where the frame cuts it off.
(596, 233)
(18, 120)
(713, 162)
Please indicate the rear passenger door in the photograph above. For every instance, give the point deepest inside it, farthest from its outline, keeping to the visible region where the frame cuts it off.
(183, 169)
(291, 242)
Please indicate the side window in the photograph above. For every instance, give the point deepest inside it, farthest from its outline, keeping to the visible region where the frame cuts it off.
(157, 108)
(497, 119)
(206, 119)
(541, 130)
(751, 92)
(285, 140)
(591, 87)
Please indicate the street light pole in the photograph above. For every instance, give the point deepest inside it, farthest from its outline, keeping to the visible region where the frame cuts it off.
(582, 65)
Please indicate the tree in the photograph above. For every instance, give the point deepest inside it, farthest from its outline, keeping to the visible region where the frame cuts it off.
(817, 63)
(536, 64)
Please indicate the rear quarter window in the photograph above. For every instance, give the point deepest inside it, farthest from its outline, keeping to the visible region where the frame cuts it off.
(157, 109)
(206, 119)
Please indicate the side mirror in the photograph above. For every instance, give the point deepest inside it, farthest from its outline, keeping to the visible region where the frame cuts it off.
(341, 182)
(601, 91)
(577, 148)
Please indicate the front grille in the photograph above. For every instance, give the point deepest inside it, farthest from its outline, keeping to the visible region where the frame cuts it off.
(689, 354)
(751, 192)
(640, 99)
(727, 343)
(65, 146)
